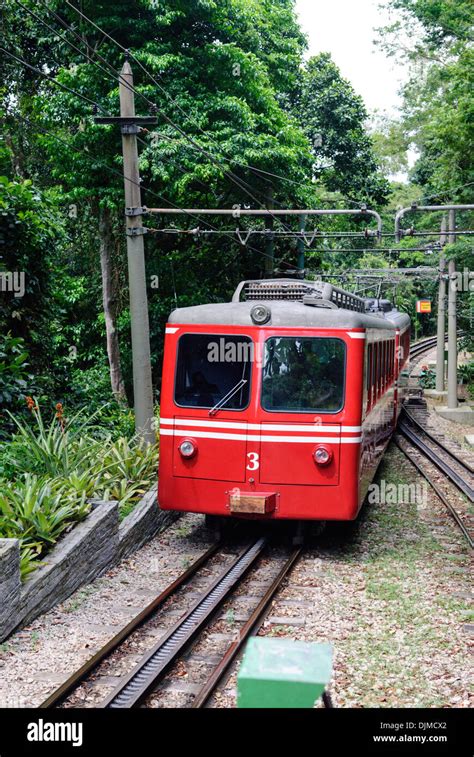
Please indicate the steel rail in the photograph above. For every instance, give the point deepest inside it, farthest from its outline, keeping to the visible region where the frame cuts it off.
(250, 627)
(60, 694)
(419, 347)
(433, 457)
(454, 514)
(463, 463)
(143, 679)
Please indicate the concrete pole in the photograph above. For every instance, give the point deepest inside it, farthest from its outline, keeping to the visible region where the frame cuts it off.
(142, 385)
(452, 325)
(441, 313)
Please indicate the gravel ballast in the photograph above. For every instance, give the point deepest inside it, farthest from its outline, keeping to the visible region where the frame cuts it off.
(390, 592)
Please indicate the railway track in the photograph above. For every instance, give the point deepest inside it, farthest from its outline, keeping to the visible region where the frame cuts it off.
(148, 675)
(146, 678)
(425, 447)
(419, 348)
(428, 454)
(458, 471)
(461, 520)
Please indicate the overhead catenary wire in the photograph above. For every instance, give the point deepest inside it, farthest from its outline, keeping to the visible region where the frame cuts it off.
(240, 183)
(116, 76)
(118, 173)
(94, 52)
(112, 73)
(52, 79)
(289, 232)
(95, 104)
(155, 194)
(120, 79)
(147, 189)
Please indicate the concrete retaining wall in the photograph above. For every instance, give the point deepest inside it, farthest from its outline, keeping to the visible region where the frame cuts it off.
(92, 546)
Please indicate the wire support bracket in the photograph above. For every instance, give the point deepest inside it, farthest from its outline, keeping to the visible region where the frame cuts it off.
(136, 211)
(136, 231)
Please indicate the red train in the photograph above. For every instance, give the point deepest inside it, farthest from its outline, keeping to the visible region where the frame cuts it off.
(280, 405)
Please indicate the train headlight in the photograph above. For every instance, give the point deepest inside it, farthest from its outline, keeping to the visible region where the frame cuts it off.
(188, 448)
(322, 455)
(260, 314)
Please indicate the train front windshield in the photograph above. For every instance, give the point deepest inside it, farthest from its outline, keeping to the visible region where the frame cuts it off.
(303, 374)
(213, 369)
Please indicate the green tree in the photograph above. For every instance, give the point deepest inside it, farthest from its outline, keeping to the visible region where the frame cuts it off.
(216, 68)
(438, 108)
(333, 117)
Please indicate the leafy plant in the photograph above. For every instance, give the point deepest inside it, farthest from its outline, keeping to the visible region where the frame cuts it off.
(13, 373)
(466, 373)
(37, 511)
(58, 449)
(52, 469)
(427, 378)
(126, 471)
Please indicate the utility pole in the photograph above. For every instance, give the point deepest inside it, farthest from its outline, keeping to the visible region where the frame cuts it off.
(452, 322)
(269, 243)
(440, 362)
(142, 385)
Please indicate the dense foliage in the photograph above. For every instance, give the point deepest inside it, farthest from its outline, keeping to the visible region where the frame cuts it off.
(243, 119)
(50, 470)
(237, 118)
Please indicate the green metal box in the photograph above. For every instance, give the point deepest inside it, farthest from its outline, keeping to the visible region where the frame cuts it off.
(283, 673)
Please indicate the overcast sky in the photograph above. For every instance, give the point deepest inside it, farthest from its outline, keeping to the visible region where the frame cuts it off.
(345, 28)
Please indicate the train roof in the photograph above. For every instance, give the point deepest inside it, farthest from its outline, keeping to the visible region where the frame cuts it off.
(283, 314)
(293, 303)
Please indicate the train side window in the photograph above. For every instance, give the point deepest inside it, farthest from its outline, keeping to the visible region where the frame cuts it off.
(382, 351)
(370, 365)
(376, 371)
(384, 366)
(374, 374)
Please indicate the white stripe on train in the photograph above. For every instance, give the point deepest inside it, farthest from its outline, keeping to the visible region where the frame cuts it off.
(259, 437)
(315, 428)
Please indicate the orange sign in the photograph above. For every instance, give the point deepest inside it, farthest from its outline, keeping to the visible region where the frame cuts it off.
(423, 306)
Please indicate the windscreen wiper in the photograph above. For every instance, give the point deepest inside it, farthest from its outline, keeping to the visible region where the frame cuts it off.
(228, 396)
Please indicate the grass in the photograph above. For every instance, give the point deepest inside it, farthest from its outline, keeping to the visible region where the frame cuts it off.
(230, 616)
(414, 625)
(184, 530)
(386, 597)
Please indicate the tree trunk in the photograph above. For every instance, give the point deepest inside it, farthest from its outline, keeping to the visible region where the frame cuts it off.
(17, 156)
(109, 301)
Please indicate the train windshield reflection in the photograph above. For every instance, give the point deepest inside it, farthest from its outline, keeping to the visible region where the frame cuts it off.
(303, 374)
(209, 366)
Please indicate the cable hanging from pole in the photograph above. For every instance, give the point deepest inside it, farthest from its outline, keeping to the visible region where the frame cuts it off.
(99, 107)
(115, 172)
